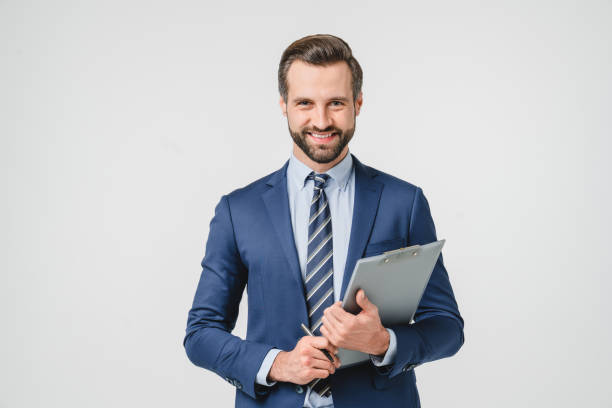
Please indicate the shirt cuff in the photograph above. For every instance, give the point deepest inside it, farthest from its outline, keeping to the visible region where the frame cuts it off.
(264, 369)
(389, 356)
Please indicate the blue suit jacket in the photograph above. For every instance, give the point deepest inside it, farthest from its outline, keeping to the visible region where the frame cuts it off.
(251, 243)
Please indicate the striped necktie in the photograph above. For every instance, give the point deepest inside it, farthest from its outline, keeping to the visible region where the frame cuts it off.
(319, 264)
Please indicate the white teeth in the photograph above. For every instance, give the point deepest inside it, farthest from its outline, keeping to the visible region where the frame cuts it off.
(321, 136)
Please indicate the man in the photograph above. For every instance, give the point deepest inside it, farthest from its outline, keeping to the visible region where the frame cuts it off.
(293, 238)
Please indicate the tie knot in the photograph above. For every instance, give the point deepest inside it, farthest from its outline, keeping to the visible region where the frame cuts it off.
(320, 180)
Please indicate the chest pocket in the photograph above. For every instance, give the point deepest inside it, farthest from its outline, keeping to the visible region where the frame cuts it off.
(377, 248)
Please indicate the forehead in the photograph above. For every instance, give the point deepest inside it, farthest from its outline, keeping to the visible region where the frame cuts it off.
(319, 81)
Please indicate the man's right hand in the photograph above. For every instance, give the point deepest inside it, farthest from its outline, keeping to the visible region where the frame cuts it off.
(305, 362)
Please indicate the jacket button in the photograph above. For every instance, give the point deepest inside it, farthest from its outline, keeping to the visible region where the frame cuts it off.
(238, 385)
(299, 389)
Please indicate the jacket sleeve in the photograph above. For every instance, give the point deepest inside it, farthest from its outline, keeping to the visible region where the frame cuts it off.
(208, 340)
(437, 331)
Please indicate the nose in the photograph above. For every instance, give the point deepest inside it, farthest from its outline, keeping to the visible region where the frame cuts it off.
(321, 119)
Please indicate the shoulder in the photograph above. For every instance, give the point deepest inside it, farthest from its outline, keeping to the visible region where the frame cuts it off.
(257, 187)
(392, 184)
(398, 193)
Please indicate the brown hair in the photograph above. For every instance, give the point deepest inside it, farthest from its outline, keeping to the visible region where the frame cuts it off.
(319, 49)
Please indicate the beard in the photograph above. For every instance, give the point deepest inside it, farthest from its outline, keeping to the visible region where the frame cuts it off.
(322, 153)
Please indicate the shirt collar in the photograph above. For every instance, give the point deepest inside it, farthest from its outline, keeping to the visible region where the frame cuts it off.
(298, 171)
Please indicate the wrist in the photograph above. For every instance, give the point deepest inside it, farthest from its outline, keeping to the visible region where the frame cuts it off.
(275, 373)
(383, 343)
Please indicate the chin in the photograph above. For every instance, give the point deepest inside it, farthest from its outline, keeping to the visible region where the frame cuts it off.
(323, 156)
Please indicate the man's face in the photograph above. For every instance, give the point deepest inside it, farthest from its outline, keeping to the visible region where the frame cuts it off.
(320, 109)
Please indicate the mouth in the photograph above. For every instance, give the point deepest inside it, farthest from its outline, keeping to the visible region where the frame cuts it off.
(322, 137)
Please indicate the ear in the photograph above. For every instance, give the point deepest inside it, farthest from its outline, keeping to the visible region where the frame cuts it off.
(358, 103)
(283, 105)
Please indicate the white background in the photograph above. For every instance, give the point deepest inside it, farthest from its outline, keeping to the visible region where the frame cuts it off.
(123, 122)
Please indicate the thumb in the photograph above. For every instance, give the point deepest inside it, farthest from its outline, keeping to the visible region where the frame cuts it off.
(364, 302)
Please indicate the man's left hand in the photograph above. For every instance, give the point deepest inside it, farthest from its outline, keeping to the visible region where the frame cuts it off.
(363, 332)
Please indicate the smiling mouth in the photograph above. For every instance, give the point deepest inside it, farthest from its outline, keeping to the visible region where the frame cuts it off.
(322, 136)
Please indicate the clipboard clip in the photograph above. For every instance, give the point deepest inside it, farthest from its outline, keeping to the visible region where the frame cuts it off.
(415, 251)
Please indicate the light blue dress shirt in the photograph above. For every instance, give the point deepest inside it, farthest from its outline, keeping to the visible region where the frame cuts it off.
(340, 192)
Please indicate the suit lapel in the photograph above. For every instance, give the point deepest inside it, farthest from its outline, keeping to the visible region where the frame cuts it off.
(367, 197)
(277, 204)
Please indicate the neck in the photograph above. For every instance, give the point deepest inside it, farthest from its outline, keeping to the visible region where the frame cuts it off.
(313, 165)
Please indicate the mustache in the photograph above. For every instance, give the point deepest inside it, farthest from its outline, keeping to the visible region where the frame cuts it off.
(316, 129)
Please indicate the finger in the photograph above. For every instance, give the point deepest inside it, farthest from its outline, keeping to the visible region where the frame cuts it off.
(330, 319)
(312, 357)
(364, 302)
(323, 363)
(331, 336)
(341, 315)
(319, 373)
(332, 348)
(330, 331)
(333, 331)
(316, 359)
(321, 342)
(337, 361)
(319, 354)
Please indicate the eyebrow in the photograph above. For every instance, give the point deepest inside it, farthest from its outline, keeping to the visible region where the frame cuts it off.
(335, 98)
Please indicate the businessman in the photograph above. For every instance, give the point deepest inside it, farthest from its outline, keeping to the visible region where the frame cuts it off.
(293, 238)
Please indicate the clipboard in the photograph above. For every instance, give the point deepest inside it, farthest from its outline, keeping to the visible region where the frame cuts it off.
(394, 281)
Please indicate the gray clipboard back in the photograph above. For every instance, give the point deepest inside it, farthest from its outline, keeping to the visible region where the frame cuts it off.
(394, 281)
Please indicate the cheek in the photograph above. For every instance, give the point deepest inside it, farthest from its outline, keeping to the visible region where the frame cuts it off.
(297, 119)
(345, 119)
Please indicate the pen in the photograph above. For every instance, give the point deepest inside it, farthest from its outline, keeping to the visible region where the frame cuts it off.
(309, 333)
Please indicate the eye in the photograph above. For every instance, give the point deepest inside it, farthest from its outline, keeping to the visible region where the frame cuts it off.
(303, 103)
(337, 103)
